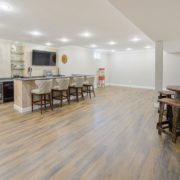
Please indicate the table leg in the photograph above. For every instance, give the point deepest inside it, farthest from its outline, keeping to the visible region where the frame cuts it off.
(177, 96)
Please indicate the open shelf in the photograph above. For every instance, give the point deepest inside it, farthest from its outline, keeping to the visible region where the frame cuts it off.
(17, 53)
(17, 60)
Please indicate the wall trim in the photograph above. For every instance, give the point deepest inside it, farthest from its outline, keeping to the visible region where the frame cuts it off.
(24, 110)
(29, 109)
(131, 86)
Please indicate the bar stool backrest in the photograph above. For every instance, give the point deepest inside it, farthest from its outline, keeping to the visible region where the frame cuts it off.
(63, 83)
(71, 83)
(44, 86)
(79, 81)
(90, 80)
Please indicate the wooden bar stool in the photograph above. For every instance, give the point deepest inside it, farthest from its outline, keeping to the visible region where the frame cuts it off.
(76, 87)
(165, 94)
(89, 85)
(61, 90)
(162, 124)
(43, 93)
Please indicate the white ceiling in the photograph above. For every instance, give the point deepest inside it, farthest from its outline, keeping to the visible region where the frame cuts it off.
(158, 19)
(68, 18)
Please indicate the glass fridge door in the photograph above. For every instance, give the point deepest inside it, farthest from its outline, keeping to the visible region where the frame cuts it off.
(1, 92)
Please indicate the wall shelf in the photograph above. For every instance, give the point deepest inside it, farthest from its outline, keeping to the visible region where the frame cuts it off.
(17, 60)
(18, 69)
(17, 53)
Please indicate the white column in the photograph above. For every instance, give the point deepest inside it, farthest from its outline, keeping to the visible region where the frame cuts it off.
(158, 66)
(158, 69)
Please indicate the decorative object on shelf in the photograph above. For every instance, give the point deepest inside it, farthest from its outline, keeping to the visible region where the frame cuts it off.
(30, 71)
(101, 74)
(17, 60)
(64, 58)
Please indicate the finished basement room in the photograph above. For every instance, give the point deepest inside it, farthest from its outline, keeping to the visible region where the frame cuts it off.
(89, 90)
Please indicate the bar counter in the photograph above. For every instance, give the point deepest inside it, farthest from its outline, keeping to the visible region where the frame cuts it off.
(22, 91)
(23, 87)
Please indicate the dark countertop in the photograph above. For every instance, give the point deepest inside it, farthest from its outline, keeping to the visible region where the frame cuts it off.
(38, 78)
(46, 77)
(6, 79)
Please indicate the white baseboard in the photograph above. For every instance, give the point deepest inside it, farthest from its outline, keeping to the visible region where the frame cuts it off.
(24, 110)
(131, 86)
(29, 109)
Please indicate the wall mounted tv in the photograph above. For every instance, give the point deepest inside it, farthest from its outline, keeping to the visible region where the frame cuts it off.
(43, 58)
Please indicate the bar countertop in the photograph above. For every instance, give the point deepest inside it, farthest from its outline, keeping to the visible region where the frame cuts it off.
(6, 79)
(47, 77)
(39, 78)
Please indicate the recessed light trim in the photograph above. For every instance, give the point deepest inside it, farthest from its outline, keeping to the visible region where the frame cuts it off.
(48, 44)
(64, 39)
(129, 49)
(93, 45)
(36, 33)
(86, 34)
(135, 39)
(147, 47)
(112, 43)
(5, 7)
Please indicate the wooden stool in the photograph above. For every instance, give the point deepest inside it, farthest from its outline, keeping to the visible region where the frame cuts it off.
(166, 94)
(163, 125)
(61, 91)
(76, 88)
(44, 92)
(89, 86)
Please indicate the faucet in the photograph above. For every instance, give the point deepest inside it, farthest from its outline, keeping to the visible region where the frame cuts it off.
(30, 71)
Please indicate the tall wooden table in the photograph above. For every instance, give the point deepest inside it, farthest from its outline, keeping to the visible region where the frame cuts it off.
(176, 89)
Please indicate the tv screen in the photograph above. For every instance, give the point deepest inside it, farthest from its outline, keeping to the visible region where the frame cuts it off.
(43, 58)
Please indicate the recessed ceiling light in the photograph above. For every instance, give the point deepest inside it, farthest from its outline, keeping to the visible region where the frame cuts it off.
(5, 7)
(48, 44)
(129, 49)
(112, 50)
(93, 45)
(112, 43)
(64, 40)
(36, 33)
(16, 42)
(86, 34)
(147, 47)
(135, 39)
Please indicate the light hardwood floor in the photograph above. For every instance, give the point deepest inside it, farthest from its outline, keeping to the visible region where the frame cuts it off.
(112, 136)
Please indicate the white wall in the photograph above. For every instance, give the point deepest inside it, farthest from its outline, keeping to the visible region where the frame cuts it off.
(132, 69)
(125, 68)
(81, 61)
(171, 72)
(5, 64)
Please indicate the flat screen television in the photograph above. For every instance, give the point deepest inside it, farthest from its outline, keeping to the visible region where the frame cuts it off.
(43, 58)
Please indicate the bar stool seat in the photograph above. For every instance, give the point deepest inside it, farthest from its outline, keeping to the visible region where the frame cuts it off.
(36, 91)
(61, 90)
(43, 92)
(162, 124)
(166, 93)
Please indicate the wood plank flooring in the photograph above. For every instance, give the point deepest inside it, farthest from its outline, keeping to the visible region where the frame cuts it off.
(112, 136)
